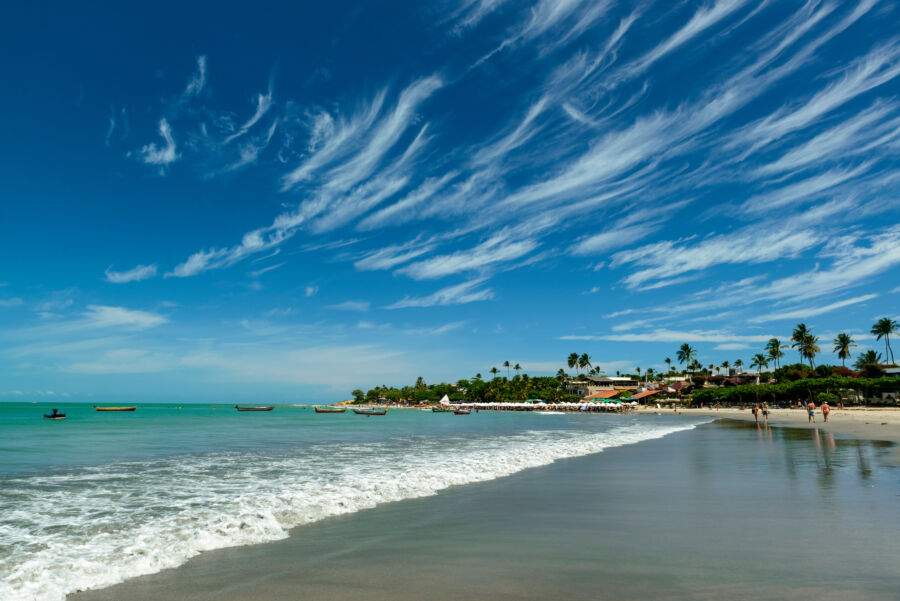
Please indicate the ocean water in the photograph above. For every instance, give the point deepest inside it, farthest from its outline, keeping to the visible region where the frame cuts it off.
(102, 497)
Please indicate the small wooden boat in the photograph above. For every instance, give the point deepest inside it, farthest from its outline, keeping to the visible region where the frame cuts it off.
(55, 415)
(330, 409)
(462, 411)
(239, 408)
(370, 412)
(441, 410)
(96, 408)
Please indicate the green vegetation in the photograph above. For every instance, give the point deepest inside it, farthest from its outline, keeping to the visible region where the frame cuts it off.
(797, 390)
(475, 390)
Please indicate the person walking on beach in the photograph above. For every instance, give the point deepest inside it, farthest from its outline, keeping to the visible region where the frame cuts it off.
(811, 409)
(756, 413)
(825, 410)
(765, 410)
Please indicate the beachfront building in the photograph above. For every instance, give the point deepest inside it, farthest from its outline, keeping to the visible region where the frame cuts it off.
(585, 386)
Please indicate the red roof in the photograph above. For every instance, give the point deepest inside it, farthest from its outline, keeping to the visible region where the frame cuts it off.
(646, 393)
(603, 394)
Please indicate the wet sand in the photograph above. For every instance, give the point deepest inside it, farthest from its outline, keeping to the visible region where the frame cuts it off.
(856, 422)
(726, 511)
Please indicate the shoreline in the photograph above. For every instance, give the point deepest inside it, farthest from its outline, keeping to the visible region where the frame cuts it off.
(881, 424)
(557, 516)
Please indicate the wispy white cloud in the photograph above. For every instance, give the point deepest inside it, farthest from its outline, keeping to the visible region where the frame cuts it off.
(310, 291)
(458, 294)
(677, 336)
(198, 79)
(11, 302)
(135, 274)
(103, 316)
(807, 312)
(263, 104)
(351, 306)
(163, 155)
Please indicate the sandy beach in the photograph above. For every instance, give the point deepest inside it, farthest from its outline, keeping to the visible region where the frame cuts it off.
(724, 511)
(857, 422)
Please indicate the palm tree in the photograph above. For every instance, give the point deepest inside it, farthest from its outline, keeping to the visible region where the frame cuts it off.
(573, 361)
(798, 337)
(650, 371)
(668, 364)
(842, 345)
(506, 365)
(494, 371)
(759, 361)
(738, 365)
(561, 375)
(477, 376)
(773, 348)
(725, 366)
(517, 368)
(686, 354)
(883, 328)
(584, 361)
(638, 370)
(809, 348)
(870, 357)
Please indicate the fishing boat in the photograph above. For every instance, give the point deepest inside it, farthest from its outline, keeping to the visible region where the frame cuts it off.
(370, 412)
(330, 409)
(462, 411)
(55, 415)
(96, 408)
(441, 410)
(239, 408)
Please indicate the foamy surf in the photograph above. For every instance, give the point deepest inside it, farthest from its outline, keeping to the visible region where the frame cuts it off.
(94, 527)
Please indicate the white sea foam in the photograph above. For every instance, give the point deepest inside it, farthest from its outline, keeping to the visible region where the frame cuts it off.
(94, 527)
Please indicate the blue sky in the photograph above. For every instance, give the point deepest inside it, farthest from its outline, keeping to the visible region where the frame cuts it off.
(288, 202)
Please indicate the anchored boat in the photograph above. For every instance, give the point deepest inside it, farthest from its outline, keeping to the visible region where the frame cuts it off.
(369, 412)
(55, 415)
(462, 411)
(239, 408)
(96, 408)
(330, 409)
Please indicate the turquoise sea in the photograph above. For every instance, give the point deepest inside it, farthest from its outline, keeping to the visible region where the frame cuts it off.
(102, 497)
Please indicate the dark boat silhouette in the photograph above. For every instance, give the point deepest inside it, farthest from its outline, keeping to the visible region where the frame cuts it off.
(239, 408)
(55, 415)
(330, 409)
(96, 408)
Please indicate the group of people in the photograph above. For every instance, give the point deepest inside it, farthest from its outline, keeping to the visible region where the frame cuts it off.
(810, 410)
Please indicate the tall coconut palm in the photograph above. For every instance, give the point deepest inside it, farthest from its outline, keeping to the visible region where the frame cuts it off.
(584, 361)
(808, 348)
(773, 348)
(561, 375)
(573, 361)
(668, 364)
(738, 364)
(725, 366)
(506, 365)
(759, 361)
(842, 345)
(638, 370)
(517, 368)
(883, 328)
(686, 353)
(799, 337)
(650, 372)
(494, 371)
(870, 357)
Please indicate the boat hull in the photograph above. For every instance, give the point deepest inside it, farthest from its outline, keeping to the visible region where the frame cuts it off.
(114, 408)
(55, 417)
(321, 410)
(254, 408)
(370, 411)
